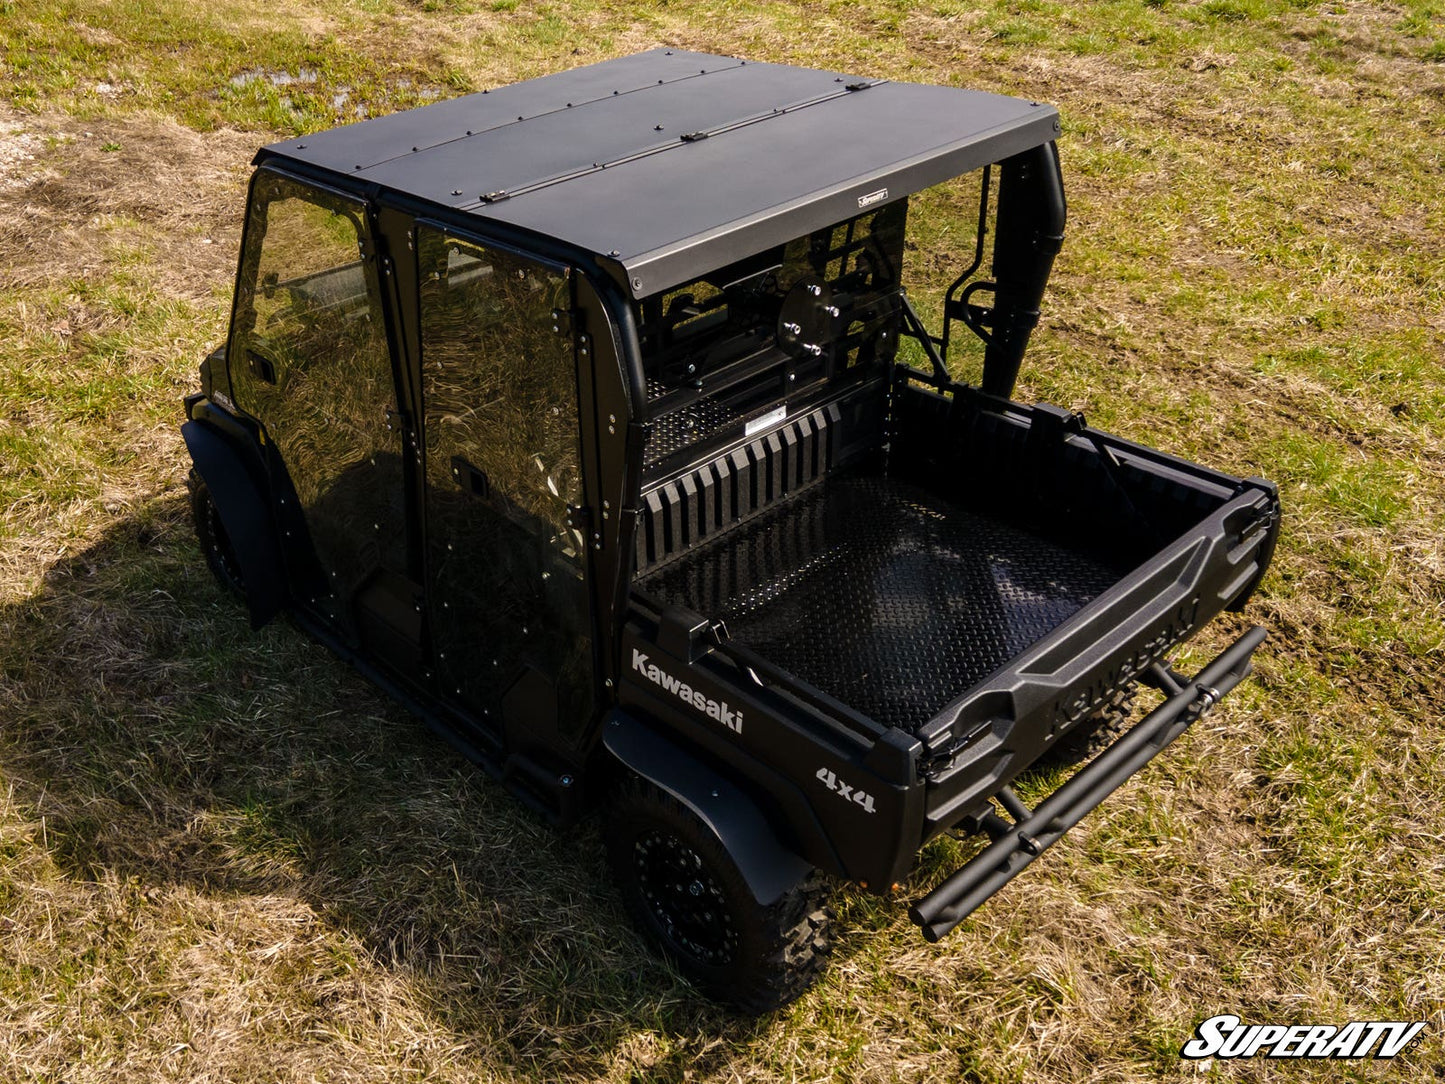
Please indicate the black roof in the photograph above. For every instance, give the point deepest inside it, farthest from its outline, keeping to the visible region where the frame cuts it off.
(668, 164)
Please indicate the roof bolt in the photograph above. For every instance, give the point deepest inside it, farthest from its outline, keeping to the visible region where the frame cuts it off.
(456, 191)
(637, 284)
(615, 252)
(657, 128)
(301, 146)
(607, 683)
(612, 418)
(565, 780)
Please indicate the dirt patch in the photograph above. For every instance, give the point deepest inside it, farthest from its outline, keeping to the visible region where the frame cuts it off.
(75, 195)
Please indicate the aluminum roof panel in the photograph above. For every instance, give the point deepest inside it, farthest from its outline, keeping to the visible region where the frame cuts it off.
(785, 150)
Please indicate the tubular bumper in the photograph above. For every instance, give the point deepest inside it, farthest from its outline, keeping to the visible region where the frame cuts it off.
(1018, 844)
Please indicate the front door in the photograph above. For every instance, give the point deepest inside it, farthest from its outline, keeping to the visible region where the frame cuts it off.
(506, 595)
(309, 359)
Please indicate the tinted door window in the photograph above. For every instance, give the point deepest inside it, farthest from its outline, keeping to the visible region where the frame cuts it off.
(506, 592)
(309, 359)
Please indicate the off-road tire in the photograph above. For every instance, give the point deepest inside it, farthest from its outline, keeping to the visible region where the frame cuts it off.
(215, 543)
(1096, 733)
(734, 950)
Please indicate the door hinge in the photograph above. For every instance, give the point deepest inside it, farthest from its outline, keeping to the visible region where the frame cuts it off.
(564, 321)
(581, 520)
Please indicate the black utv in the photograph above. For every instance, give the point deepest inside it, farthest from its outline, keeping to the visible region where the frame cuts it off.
(591, 418)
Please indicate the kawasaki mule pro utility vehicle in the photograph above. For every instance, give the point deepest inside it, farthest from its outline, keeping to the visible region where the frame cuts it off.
(590, 418)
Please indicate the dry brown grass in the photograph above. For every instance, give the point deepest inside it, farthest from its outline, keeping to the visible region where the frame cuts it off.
(222, 857)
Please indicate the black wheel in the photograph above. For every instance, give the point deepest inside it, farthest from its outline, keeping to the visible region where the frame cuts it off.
(1096, 733)
(215, 543)
(686, 894)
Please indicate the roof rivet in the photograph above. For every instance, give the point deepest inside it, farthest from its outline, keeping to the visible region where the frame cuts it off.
(301, 146)
(485, 92)
(667, 53)
(456, 191)
(415, 149)
(615, 93)
(519, 117)
(659, 82)
(355, 167)
(469, 131)
(637, 284)
(657, 128)
(615, 252)
(569, 105)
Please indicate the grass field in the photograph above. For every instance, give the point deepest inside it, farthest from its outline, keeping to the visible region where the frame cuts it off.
(225, 858)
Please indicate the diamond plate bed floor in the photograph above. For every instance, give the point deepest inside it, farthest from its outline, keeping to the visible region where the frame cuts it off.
(882, 594)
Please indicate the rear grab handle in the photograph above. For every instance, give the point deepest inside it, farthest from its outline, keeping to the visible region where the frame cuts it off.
(1034, 832)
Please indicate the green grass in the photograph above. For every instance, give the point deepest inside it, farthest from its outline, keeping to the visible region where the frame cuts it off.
(222, 856)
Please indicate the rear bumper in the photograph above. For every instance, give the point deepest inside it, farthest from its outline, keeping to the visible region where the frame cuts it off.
(1018, 844)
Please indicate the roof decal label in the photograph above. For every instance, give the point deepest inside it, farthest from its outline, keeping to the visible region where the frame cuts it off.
(872, 197)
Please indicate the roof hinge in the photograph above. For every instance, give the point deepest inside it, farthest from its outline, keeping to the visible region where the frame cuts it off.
(495, 197)
(858, 86)
(693, 137)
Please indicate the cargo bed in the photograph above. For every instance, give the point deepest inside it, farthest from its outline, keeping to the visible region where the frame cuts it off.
(981, 576)
(886, 595)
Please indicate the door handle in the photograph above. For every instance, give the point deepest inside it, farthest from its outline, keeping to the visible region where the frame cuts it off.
(261, 367)
(470, 477)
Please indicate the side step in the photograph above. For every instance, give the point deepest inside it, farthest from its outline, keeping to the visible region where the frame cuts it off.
(1016, 845)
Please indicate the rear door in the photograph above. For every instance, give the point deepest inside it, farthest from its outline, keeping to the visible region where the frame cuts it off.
(509, 623)
(310, 359)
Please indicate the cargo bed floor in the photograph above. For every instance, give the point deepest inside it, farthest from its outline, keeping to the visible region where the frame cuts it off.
(882, 594)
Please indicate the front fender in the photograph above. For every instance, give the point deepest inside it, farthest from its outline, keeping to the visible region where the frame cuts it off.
(245, 514)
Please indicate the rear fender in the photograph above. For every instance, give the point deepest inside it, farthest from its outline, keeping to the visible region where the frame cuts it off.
(245, 514)
(769, 868)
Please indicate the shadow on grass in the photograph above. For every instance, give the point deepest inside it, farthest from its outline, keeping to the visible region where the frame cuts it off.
(167, 745)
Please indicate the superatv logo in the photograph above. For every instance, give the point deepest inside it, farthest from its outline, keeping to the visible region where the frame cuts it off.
(1227, 1037)
(713, 709)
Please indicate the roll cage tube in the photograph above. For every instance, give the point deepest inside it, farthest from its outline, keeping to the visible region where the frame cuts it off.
(1028, 233)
